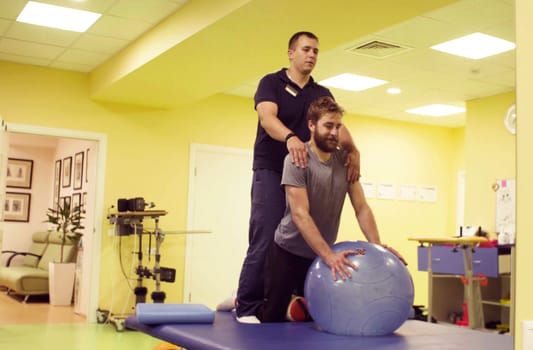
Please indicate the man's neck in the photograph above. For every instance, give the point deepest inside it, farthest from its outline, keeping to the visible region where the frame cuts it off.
(298, 78)
(321, 155)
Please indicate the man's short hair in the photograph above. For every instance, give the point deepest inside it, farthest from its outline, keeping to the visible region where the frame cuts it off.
(294, 38)
(321, 106)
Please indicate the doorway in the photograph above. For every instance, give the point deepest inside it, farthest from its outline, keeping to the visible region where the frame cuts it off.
(90, 281)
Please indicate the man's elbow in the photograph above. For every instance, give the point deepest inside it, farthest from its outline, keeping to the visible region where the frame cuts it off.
(261, 120)
(299, 217)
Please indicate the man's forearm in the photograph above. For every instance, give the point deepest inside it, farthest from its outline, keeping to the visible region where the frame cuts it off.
(368, 225)
(274, 127)
(346, 141)
(311, 235)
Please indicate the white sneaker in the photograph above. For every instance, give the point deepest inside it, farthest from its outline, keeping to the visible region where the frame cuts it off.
(228, 304)
(248, 320)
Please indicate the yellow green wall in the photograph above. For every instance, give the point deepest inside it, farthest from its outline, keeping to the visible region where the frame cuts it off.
(490, 155)
(458, 165)
(148, 155)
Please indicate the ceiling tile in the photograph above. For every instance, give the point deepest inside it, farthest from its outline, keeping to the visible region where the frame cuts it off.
(339, 61)
(42, 35)
(119, 28)
(150, 11)
(507, 79)
(503, 30)
(10, 9)
(24, 59)
(506, 59)
(470, 88)
(474, 13)
(98, 6)
(408, 33)
(81, 57)
(4, 25)
(442, 62)
(23, 48)
(99, 44)
(389, 71)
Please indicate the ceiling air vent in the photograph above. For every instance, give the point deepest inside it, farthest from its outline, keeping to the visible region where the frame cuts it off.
(377, 49)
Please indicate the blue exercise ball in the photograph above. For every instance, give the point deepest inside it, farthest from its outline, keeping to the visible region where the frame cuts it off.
(375, 301)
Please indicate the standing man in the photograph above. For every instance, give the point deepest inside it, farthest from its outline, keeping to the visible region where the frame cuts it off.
(281, 101)
(315, 198)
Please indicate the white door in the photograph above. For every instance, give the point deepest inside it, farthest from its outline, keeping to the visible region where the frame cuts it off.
(219, 201)
(4, 142)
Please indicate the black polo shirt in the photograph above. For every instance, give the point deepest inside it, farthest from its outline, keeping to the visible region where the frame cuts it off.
(293, 103)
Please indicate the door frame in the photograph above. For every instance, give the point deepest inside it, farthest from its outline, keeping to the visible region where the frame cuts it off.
(101, 140)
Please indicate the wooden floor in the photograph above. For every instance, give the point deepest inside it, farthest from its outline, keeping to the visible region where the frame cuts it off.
(36, 310)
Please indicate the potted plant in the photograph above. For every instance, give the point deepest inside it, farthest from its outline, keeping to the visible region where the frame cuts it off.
(68, 223)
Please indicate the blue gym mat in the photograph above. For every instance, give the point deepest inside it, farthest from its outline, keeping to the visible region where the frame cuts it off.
(226, 333)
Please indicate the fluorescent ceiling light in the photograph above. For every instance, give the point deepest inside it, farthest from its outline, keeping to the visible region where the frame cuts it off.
(394, 91)
(436, 110)
(57, 17)
(352, 82)
(475, 46)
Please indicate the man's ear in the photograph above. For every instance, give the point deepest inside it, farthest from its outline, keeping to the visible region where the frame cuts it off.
(311, 125)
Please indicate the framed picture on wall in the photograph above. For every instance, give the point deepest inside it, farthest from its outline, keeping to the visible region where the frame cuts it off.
(57, 182)
(87, 165)
(19, 173)
(84, 202)
(78, 170)
(76, 200)
(67, 172)
(17, 207)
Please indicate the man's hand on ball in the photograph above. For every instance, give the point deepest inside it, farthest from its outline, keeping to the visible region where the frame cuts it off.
(395, 252)
(339, 264)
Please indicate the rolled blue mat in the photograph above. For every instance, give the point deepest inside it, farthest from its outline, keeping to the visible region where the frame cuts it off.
(174, 313)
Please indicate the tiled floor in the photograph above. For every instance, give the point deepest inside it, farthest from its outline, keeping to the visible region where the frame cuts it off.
(37, 325)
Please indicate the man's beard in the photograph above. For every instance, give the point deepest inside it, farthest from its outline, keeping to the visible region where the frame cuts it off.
(326, 143)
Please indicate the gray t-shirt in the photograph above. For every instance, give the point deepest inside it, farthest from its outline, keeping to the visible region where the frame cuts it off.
(327, 187)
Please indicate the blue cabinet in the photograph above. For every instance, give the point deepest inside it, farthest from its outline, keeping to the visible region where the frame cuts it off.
(449, 260)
